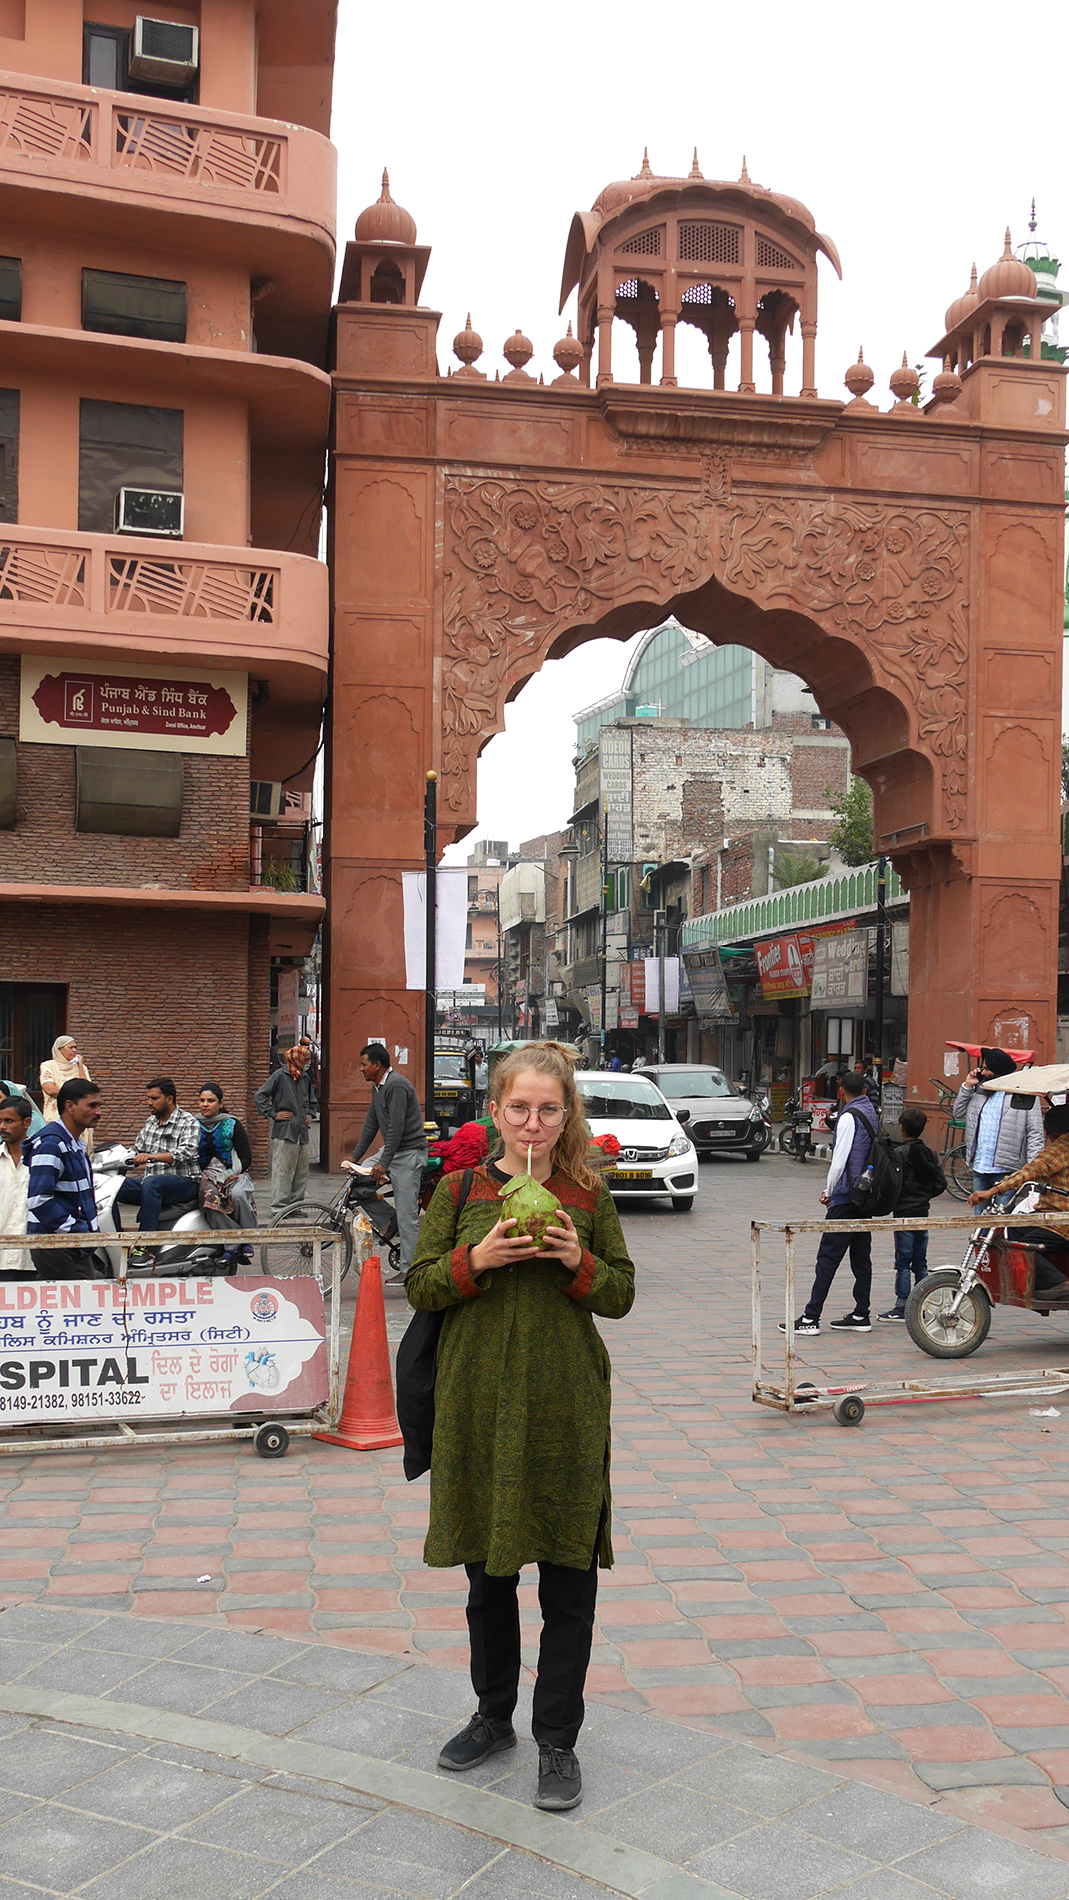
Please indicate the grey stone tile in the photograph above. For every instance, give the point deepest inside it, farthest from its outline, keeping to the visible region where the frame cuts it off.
(145, 1788)
(239, 1650)
(320, 1791)
(763, 1784)
(62, 1849)
(1025, 1741)
(520, 1877)
(25, 1622)
(279, 1826)
(783, 1695)
(881, 1826)
(1009, 1772)
(673, 1822)
(886, 1884)
(979, 1866)
(274, 1706)
(774, 1862)
(12, 1804)
(16, 1657)
(652, 1746)
(308, 1885)
(210, 1764)
(117, 1746)
(956, 1714)
(747, 1722)
(179, 1686)
(369, 1728)
(175, 1869)
(329, 1666)
(443, 1692)
(82, 1671)
(411, 1854)
(48, 1763)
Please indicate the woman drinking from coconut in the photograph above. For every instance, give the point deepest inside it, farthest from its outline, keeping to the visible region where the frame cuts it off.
(520, 1460)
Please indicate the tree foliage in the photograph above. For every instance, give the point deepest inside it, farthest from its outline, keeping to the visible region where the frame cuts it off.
(852, 835)
(794, 867)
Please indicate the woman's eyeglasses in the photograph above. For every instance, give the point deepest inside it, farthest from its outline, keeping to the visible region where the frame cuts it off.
(551, 1114)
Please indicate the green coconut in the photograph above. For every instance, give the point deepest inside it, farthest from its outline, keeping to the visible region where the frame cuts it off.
(532, 1207)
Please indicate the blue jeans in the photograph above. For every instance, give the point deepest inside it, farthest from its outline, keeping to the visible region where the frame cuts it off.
(911, 1257)
(981, 1182)
(152, 1193)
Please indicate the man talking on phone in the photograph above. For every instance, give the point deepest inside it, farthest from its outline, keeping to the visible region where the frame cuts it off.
(1000, 1136)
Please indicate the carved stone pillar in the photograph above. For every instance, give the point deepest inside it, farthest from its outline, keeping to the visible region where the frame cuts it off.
(668, 350)
(809, 359)
(605, 316)
(747, 386)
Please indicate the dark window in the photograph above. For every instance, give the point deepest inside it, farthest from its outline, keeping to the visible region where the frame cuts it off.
(10, 289)
(132, 306)
(124, 445)
(129, 794)
(32, 1015)
(104, 56)
(9, 454)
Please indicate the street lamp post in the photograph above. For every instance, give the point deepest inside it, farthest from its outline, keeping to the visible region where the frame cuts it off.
(570, 854)
(604, 926)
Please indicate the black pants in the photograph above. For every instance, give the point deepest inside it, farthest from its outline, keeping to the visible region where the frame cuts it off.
(830, 1255)
(566, 1599)
(1048, 1277)
(69, 1263)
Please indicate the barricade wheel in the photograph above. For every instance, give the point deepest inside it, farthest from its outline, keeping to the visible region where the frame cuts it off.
(272, 1441)
(934, 1328)
(849, 1410)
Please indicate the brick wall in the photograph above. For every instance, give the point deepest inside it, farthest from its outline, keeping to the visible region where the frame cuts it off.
(211, 853)
(153, 992)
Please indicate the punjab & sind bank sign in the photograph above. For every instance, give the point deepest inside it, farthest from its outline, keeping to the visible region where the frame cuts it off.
(146, 708)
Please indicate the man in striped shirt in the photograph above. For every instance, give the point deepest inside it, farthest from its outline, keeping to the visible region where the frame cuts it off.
(60, 1197)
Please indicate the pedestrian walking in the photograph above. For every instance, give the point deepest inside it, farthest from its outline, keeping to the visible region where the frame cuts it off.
(520, 1455)
(224, 1154)
(60, 1197)
(394, 1114)
(165, 1158)
(922, 1180)
(854, 1133)
(1000, 1136)
(15, 1262)
(286, 1100)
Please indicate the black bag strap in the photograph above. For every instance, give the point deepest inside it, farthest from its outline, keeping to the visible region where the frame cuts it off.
(466, 1180)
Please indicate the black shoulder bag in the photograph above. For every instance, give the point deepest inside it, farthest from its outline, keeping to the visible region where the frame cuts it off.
(417, 1358)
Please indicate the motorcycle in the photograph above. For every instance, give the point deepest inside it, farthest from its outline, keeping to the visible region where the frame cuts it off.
(948, 1313)
(202, 1245)
(796, 1135)
(762, 1100)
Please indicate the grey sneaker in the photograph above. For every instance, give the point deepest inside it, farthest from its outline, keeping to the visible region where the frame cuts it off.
(480, 1737)
(560, 1784)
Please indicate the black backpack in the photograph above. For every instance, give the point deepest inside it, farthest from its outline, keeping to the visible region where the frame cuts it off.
(417, 1364)
(879, 1184)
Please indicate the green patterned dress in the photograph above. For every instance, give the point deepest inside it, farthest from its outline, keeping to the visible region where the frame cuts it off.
(520, 1462)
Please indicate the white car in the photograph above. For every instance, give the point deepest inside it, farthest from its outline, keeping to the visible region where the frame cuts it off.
(657, 1156)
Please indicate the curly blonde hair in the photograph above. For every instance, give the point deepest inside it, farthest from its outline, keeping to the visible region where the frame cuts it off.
(572, 1144)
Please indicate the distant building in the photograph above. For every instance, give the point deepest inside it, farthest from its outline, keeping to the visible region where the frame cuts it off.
(676, 674)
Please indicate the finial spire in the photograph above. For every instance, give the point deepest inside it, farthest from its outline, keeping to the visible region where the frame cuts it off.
(645, 171)
(744, 176)
(385, 199)
(695, 169)
(1032, 219)
(1008, 252)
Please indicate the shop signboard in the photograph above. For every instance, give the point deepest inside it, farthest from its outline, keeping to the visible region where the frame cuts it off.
(107, 1349)
(708, 986)
(900, 959)
(785, 965)
(614, 769)
(135, 707)
(628, 1016)
(638, 985)
(550, 1018)
(841, 970)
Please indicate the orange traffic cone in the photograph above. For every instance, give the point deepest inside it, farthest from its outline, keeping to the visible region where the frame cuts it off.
(368, 1419)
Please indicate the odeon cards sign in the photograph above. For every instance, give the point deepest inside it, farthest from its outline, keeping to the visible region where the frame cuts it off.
(144, 708)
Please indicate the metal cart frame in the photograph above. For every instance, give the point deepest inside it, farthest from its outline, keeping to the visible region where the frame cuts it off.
(848, 1402)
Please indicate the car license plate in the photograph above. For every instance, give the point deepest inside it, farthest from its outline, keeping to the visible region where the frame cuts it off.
(630, 1174)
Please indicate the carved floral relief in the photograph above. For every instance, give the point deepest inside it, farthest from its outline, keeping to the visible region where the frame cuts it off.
(524, 560)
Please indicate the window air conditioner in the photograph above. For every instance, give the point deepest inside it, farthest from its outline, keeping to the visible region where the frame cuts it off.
(163, 52)
(266, 801)
(150, 511)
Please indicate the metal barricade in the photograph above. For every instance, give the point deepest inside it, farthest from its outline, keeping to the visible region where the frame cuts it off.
(848, 1401)
(270, 1427)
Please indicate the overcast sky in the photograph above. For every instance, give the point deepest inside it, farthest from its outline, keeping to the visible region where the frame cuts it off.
(914, 134)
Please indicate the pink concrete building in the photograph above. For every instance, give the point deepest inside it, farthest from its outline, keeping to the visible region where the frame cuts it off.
(166, 262)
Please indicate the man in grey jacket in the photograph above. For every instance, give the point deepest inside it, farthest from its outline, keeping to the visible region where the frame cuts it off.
(1000, 1137)
(394, 1114)
(287, 1101)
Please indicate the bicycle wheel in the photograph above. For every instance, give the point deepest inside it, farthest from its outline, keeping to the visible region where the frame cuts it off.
(284, 1258)
(958, 1173)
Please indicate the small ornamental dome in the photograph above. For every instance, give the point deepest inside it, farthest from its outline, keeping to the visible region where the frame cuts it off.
(962, 307)
(384, 222)
(1010, 277)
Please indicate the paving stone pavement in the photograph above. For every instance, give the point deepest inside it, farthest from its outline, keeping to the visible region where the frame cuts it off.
(146, 1759)
(893, 1600)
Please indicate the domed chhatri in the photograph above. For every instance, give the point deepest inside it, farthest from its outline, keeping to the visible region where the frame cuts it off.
(859, 380)
(963, 307)
(385, 222)
(1010, 277)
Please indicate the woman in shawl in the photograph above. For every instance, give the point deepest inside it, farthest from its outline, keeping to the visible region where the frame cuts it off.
(225, 1156)
(520, 1459)
(65, 1065)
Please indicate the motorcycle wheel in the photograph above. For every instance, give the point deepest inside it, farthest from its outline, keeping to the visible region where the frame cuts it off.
(932, 1329)
(958, 1173)
(786, 1141)
(282, 1258)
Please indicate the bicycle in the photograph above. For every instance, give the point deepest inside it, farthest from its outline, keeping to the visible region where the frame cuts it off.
(284, 1259)
(953, 1158)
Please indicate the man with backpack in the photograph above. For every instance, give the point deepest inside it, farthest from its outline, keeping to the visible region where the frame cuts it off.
(922, 1180)
(855, 1132)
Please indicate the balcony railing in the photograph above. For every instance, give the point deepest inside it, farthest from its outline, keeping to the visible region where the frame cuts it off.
(77, 131)
(97, 589)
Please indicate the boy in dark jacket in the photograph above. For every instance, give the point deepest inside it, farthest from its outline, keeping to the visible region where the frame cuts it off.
(922, 1180)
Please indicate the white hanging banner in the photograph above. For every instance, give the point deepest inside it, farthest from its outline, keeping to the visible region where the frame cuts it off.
(451, 925)
(671, 986)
